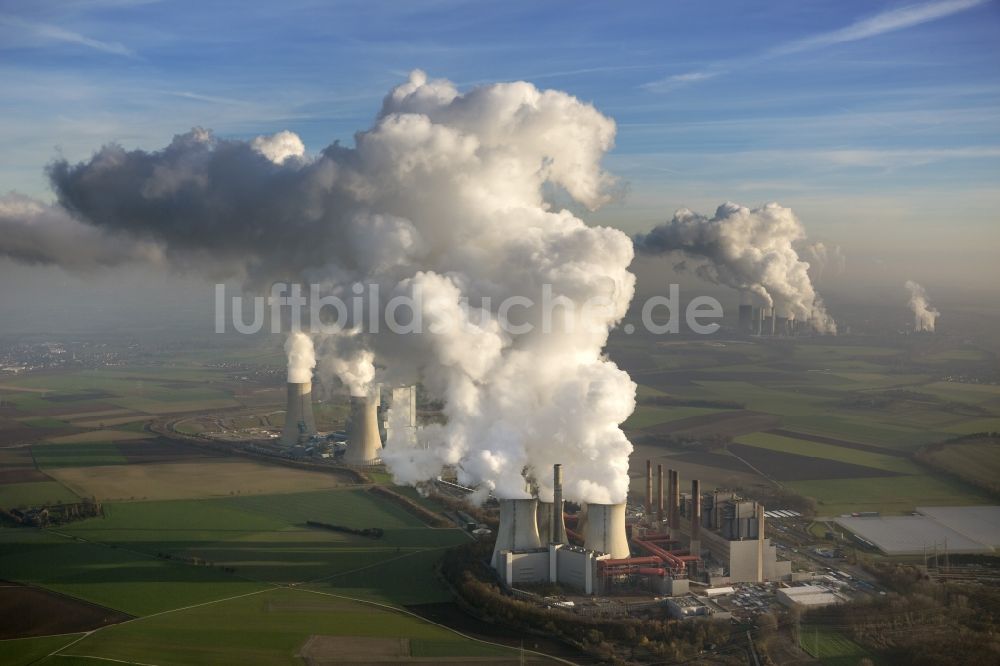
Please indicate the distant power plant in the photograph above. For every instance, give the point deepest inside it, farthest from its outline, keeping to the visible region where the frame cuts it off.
(363, 435)
(764, 321)
(300, 425)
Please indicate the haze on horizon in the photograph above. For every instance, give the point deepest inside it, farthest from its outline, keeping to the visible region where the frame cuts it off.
(877, 123)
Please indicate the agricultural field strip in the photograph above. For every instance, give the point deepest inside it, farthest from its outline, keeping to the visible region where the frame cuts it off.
(412, 551)
(812, 449)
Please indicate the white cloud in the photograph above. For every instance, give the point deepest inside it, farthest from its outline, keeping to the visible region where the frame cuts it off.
(47, 32)
(873, 26)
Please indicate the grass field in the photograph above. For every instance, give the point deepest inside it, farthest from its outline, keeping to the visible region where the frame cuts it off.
(77, 455)
(40, 492)
(181, 480)
(98, 436)
(129, 581)
(831, 647)
(891, 495)
(25, 651)
(645, 415)
(829, 452)
(265, 539)
(272, 627)
(976, 460)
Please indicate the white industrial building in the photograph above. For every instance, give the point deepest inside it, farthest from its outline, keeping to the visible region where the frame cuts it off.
(809, 596)
(952, 529)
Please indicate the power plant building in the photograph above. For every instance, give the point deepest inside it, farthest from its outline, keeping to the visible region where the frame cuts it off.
(732, 532)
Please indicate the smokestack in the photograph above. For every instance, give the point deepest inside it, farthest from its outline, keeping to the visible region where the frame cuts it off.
(674, 513)
(558, 530)
(760, 543)
(363, 441)
(606, 530)
(659, 492)
(649, 486)
(518, 528)
(299, 422)
(695, 510)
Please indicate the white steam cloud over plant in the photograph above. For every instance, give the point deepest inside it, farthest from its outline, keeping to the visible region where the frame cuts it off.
(450, 196)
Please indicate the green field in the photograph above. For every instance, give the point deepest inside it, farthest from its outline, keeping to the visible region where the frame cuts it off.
(894, 494)
(77, 455)
(262, 538)
(646, 415)
(977, 461)
(828, 451)
(270, 628)
(39, 492)
(25, 651)
(831, 647)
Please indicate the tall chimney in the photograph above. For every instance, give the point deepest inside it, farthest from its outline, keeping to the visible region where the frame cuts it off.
(649, 486)
(299, 422)
(695, 510)
(558, 529)
(659, 492)
(363, 440)
(760, 542)
(674, 512)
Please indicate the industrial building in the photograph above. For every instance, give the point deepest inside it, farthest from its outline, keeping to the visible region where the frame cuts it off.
(715, 538)
(731, 532)
(930, 530)
(692, 606)
(809, 596)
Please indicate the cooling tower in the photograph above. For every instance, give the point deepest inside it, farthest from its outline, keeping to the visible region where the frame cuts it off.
(518, 528)
(299, 422)
(605, 530)
(363, 441)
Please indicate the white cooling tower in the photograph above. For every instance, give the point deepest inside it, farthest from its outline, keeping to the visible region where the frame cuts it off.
(605, 531)
(548, 530)
(363, 441)
(299, 422)
(518, 528)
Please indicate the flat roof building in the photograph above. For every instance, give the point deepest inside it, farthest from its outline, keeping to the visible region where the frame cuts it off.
(809, 596)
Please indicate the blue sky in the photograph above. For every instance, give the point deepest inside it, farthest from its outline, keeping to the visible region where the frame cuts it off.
(878, 122)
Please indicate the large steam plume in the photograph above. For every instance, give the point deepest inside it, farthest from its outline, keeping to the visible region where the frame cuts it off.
(924, 316)
(752, 250)
(449, 198)
(301, 358)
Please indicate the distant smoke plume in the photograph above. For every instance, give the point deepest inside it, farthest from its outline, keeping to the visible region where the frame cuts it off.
(924, 316)
(824, 259)
(752, 250)
(301, 358)
(450, 196)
